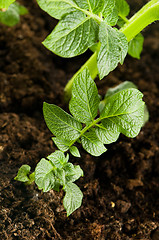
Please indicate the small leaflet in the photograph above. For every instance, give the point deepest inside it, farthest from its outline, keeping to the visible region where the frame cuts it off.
(62, 144)
(96, 6)
(23, 172)
(92, 144)
(126, 110)
(72, 172)
(114, 47)
(60, 123)
(107, 133)
(136, 46)
(74, 151)
(123, 8)
(84, 102)
(73, 35)
(44, 176)
(73, 198)
(57, 9)
(58, 159)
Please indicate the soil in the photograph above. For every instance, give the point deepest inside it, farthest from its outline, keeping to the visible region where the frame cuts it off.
(121, 188)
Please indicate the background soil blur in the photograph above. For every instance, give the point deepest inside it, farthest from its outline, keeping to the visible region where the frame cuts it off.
(121, 188)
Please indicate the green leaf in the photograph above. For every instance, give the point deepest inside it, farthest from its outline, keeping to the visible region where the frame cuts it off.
(23, 172)
(110, 12)
(22, 10)
(125, 110)
(123, 8)
(136, 46)
(56, 187)
(72, 36)
(69, 171)
(113, 90)
(6, 3)
(78, 173)
(120, 22)
(121, 86)
(108, 133)
(73, 198)
(62, 144)
(72, 173)
(112, 18)
(108, 8)
(60, 123)
(96, 6)
(60, 176)
(11, 16)
(31, 178)
(114, 47)
(44, 175)
(58, 159)
(84, 102)
(83, 4)
(94, 47)
(74, 151)
(92, 144)
(58, 8)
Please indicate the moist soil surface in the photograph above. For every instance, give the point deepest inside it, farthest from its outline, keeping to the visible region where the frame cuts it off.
(121, 188)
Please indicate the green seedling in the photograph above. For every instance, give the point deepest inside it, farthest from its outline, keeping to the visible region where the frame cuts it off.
(94, 124)
(10, 12)
(52, 173)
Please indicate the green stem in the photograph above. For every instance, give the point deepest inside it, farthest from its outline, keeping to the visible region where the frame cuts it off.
(94, 123)
(145, 16)
(123, 18)
(89, 13)
(94, 16)
(91, 64)
(85, 129)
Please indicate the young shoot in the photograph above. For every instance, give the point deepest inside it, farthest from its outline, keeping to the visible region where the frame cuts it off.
(52, 173)
(93, 123)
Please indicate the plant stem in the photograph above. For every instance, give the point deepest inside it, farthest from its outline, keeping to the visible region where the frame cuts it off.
(124, 18)
(85, 129)
(91, 64)
(145, 16)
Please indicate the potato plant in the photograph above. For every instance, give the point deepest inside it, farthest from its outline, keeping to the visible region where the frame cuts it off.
(103, 27)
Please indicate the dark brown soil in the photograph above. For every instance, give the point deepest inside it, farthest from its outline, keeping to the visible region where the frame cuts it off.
(121, 188)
